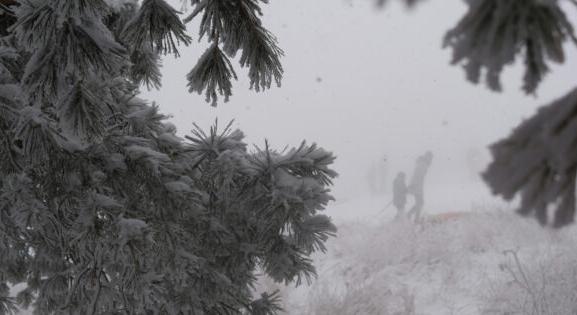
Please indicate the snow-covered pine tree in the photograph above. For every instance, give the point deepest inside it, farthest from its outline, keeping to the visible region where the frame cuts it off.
(104, 209)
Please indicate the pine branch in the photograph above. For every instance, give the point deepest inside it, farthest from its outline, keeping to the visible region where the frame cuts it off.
(310, 233)
(267, 304)
(8, 306)
(37, 134)
(212, 73)
(36, 25)
(262, 56)
(81, 8)
(494, 33)
(146, 68)
(83, 113)
(284, 263)
(158, 25)
(236, 24)
(538, 162)
(82, 48)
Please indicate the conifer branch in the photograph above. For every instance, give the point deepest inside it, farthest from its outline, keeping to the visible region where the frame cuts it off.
(156, 24)
(494, 33)
(212, 73)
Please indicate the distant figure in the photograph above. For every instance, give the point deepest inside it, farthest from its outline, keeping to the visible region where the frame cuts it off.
(400, 195)
(416, 187)
(377, 177)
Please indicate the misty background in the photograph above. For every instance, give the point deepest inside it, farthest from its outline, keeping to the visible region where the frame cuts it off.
(370, 84)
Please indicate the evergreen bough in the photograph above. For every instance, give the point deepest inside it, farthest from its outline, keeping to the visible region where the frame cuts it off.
(103, 208)
(494, 33)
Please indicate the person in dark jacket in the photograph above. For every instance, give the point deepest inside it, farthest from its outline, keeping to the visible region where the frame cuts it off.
(400, 194)
(417, 185)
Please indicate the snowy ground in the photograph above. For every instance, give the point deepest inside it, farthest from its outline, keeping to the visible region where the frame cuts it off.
(464, 265)
(458, 266)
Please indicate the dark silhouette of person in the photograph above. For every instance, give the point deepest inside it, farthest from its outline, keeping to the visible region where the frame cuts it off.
(400, 194)
(416, 187)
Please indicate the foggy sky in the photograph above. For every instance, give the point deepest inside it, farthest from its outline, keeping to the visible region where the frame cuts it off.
(367, 83)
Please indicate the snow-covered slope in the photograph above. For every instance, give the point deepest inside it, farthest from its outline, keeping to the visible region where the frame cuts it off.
(462, 265)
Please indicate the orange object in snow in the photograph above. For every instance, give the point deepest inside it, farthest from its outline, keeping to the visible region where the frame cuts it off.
(446, 216)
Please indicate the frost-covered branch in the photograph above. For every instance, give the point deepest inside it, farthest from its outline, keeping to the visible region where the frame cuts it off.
(494, 33)
(538, 162)
(237, 26)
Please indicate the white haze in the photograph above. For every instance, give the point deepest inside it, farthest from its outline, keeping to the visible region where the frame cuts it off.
(368, 84)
